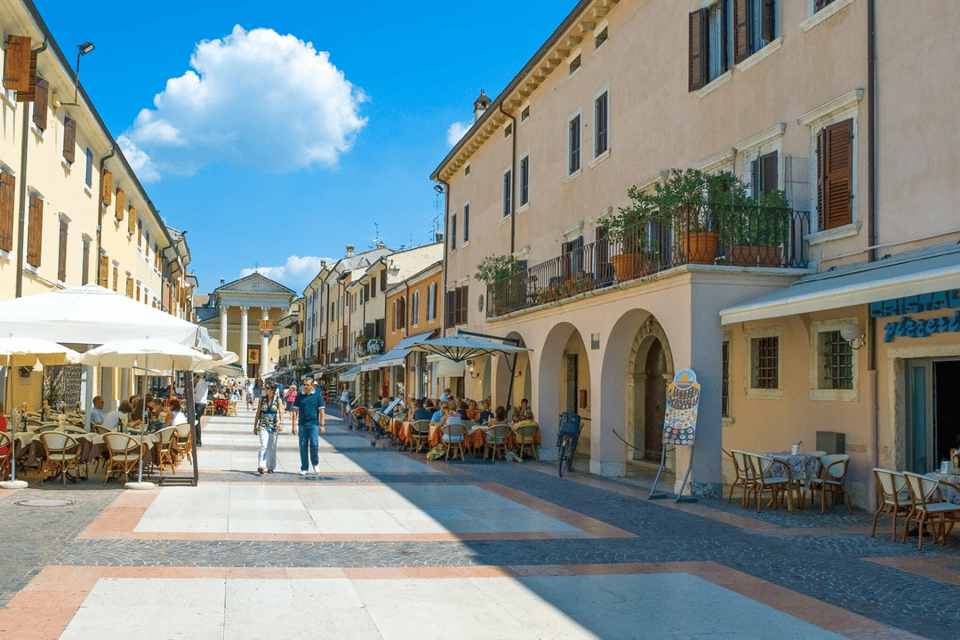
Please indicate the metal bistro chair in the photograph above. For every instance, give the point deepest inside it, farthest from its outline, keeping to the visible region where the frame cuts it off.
(419, 435)
(929, 507)
(894, 498)
(61, 451)
(496, 440)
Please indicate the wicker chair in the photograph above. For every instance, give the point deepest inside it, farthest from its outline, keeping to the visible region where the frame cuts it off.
(419, 435)
(167, 440)
(833, 475)
(496, 440)
(929, 507)
(451, 437)
(124, 455)
(764, 481)
(61, 451)
(525, 439)
(184, 441)
(6, 454)
(894, 498)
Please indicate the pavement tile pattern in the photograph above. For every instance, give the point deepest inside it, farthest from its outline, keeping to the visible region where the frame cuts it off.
(822, 569)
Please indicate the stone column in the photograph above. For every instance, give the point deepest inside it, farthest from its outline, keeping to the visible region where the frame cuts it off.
(244, 328)
(223, 326)
(264, 344)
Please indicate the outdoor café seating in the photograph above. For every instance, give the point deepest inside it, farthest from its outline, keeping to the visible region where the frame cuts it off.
(451, 437)
(525, 439)
(765, 482)
(123, 452)
(929, 508)
(61, 451)
(419, 435)
(832, 479)
(894, 498)
(184, 440)
(167, 448)
(496, 440)
(6, 454)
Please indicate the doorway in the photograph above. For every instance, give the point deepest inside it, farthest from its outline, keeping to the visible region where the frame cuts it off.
(572, 367)
(654, 401)
(932, 413)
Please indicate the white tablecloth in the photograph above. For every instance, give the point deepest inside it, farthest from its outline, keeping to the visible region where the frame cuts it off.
(948, 494)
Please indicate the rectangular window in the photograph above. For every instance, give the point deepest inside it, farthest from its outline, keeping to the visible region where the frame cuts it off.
(507, 130)
(725, 379)
(7, 190)
(821, 4)
(89, 176)
(836, 361)
(525, 113)
(69, 139)
(40, 104)
(524, 180)
(507, 193)
(835, 175)
(62, 253)
(129, 289)
(432, 302)
(415, 309)
(466, 223)
(103, 273)
(573, 164)
(453, 232)
(574, 65)
(601, 112)
(85, 269)
(373, 287)
(764, 177)
(765, 360)
(466, 170)
(754, 26)
(116, 277)
(600, 38)
(35, 231)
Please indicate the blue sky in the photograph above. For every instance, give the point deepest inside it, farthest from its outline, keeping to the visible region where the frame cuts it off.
(269, 152)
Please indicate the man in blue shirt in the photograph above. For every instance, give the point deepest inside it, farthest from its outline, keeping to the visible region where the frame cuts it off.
(312, 419)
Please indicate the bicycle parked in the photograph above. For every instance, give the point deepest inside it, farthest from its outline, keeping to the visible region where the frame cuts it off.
(568, 436)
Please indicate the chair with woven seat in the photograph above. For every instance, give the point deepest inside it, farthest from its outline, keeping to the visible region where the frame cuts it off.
(232, 409)
(741, 469)
(6, 454)
(210, 409)
(419, 435)
(761, 470)
(123, 452)
(451, 437)
(929, 507)
(496, 440)
(832, 478)
(61, 451)
(166, 439)
(525, 439)
(184, 441)
(894, 498)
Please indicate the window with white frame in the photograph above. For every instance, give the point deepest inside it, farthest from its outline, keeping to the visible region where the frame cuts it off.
(415, 309)
(432, 302)
(466, 223)
(601, 124)
(573, 145)
(453, 232)
(833, 362)
(764, 374)
(601, 37)
(525, 180)
(507, 192)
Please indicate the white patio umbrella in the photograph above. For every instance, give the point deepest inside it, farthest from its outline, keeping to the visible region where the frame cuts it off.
(145, 353)
(17, 351)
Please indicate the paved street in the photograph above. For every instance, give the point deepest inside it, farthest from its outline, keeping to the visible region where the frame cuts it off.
(382, 544)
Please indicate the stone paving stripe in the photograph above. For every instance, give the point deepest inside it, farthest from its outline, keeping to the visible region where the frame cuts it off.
(942, 568)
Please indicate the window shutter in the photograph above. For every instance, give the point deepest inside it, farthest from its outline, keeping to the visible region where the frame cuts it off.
(768, 172)
(699, 34)
(30, 93)
(107, 188)
(383, 282)
(820, 4)
(139, 233)
(121, 204)
(116, 278)
(35, 235)
(821, 179)
(466, 301)
(69, 139)
(450, 309)
(40, 104)
(85, 275)
(62, 255)
(741, 30)
(89, 176)
(104, 279)
(130, 288)
(16, 68)
(837, 161)
(132, 221)
(768, 20)
(7, 188)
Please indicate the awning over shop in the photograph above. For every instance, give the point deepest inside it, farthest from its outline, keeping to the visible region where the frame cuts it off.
(910, 274)
(350, 374)
(396, 356)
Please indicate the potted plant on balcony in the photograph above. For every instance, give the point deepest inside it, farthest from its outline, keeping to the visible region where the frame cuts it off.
(374, 346)
(494, 271)
(627, 234)
(756, 232)
(360, 346)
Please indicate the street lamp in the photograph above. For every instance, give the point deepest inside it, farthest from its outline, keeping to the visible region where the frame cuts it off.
(82, 49)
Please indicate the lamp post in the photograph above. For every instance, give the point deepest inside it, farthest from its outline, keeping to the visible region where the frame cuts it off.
(82, 49)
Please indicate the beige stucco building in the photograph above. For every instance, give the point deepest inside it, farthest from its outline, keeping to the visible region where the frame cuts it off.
(780, 94)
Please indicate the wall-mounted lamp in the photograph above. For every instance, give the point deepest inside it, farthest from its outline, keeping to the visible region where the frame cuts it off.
(852, 334)
(472, 369)
(82, 49)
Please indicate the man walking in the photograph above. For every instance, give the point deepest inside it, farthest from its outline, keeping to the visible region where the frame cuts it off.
(200, 392)
(312, 418)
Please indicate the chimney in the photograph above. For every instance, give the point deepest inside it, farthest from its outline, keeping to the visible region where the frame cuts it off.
(381, 245)
(480, 105)
(323, 263)
(349, 250)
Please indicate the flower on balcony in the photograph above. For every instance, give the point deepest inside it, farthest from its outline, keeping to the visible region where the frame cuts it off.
(360, 346)
(374, 345)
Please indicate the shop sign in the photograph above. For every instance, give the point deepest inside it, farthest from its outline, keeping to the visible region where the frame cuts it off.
(911, 328)
(916, 304)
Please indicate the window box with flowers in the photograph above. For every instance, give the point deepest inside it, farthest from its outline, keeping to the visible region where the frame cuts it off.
(374, 346)
(360, 346)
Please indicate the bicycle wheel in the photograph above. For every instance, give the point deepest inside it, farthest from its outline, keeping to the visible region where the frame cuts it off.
(564, 447)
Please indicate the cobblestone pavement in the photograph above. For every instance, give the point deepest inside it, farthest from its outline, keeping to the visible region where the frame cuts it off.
(828, 561)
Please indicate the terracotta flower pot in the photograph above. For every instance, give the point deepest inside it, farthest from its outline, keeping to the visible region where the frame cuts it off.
(628, 266)
(700, 247)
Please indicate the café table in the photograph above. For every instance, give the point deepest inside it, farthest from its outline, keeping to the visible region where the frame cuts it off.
(949, 493)
(804, 466)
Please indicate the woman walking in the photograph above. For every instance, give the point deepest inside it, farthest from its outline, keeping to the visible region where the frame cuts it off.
(344, 401)
(291, 407)
(268, 425)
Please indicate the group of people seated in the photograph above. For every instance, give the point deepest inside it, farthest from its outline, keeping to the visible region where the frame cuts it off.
(450, 410)
(160, 413)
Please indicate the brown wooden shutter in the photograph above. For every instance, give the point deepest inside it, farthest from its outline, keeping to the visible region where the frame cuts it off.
(820, 4)
(104, 272)
(16, 67)
(116, 278)
(139, 233)
(62, 255)
(7, 189)
(466, 304)
(85, 275)
(121, 204)
(69, 139)
(107, 188)
(768, 20)
(821, 178)
(130, 288)
(741, 30)
(30, 94)
(132, 222)
(35, 232)
(838, 175)
(40, 104)
(450, 309)
(768, 172)
(699, 34)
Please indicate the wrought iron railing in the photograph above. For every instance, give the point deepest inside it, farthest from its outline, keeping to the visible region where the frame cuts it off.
(733, 235)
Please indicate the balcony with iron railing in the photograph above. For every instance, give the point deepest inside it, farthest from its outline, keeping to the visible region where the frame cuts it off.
(731, 235)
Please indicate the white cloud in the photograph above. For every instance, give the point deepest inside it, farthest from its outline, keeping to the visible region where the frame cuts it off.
(456, 131)
(139, 160)
(251, 98)
(296, 273)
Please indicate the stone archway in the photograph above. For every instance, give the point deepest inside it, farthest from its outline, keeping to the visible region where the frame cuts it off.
(521, 380)
(649, 369)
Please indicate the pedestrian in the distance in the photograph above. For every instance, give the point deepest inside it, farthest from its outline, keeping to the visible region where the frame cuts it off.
(291, 406)
(344, 400)
(312, 418)
(268, 424)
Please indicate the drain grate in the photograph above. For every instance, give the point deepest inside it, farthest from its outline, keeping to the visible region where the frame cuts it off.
(41, 502)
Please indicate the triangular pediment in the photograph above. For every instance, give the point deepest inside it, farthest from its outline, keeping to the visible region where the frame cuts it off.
(255, 283)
